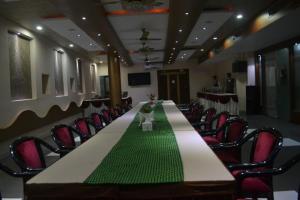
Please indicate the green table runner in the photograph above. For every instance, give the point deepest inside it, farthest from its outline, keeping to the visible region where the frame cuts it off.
(142, 157)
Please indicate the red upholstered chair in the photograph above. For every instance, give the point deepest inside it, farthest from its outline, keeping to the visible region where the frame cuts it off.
(266, 144)
(82, 127)
(106, 115)
(206, 125)
(193, 113)
(63, 136)
(28, 154)
(234, 131)
(216, 135)
(97, 121)
(256, 183)
(115, 113)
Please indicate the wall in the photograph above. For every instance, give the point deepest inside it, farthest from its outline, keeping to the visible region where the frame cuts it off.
(224, 67)
(200, 76)
(42, 62)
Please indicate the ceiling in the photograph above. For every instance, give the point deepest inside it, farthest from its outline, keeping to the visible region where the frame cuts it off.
(175, 30)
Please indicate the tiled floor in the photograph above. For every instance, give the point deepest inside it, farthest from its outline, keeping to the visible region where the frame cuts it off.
(285, 185)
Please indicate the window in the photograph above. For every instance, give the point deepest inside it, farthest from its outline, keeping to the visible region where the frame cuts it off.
(19, 64)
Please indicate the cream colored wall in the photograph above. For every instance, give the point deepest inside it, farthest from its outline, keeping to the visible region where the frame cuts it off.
(200, 76)
(42, 61)
(224, 67)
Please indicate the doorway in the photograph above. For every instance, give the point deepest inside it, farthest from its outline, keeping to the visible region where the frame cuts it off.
(174, 85)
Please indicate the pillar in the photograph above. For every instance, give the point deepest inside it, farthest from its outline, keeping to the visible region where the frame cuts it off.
(114, 78)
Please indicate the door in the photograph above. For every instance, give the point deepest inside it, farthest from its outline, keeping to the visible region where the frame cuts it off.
(174, 85)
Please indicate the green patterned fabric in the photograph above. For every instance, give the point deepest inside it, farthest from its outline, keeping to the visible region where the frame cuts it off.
(142, 157)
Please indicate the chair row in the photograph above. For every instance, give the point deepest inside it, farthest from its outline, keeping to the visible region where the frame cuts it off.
(226, 135)
(28, 154)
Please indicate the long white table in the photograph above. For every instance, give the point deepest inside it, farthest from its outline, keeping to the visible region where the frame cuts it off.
(204, 174)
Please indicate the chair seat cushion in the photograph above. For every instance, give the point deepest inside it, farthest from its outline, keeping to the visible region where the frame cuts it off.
(227, 157)
(252, 184)
(210, 140)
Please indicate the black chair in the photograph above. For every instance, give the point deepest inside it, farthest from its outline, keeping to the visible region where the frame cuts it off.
(82, 127)
(215, 135)
(255, 184)
(28, 154)
(63, 136)
(205, 125)
(97, 121)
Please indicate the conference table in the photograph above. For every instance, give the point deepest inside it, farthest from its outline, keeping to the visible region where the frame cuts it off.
(123, 162)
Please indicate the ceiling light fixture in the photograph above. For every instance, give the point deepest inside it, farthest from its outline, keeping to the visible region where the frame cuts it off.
(108, 45)
(174, 48)
(83, 18)
(39, 28)
(215, 38)
(196, 38)
(99, 34)
(71, 45)
(239, 16)
(91, 44)
(176, 41)
(187, 13)
(101, 62)
(78, 35)
(204, 28)
(180, 30)
(202, 50)
(18, 33)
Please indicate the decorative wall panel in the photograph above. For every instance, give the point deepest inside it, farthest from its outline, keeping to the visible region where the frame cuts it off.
(79, 76)
(93, 77)
(59, 81)
(20, 69)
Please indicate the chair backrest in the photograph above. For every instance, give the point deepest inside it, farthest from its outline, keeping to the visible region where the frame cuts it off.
(27, 153)
(235, 129)
(209, 114)
(83, 128)
(97, 121)
(63, 136)
(266, 144)
(221, 120)
(106, 116)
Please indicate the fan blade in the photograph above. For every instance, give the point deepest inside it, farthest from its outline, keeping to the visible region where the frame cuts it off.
(150, 39)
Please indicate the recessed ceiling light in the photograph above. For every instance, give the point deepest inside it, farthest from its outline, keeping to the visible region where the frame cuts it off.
(18, 33)
(187, 13)
(239, 16)
(91, 44)
(71, 45)
(196, 38)
(184, 54)
(78, 35)
(83, 18)
(215, 38)
(204, 28)
(101, 62)
(39, 28)
(99, 34)
(176, 41)
(202, 50)
(180, 30)
(182, 57)
(122, 60)
(174, 48)
(119, 56)
(108, 45)
(172, 53)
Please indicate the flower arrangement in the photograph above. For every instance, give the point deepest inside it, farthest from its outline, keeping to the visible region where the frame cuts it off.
(146, 108)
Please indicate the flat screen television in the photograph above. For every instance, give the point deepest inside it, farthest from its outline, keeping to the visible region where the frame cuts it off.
(135, 79)
(239, 66)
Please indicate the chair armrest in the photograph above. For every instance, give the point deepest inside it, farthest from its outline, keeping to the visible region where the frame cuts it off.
(208, 133)
(245, 166)
(224, 146)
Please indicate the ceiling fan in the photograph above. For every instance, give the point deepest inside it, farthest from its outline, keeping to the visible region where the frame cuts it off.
(136, 5)
(145, 49)
(145, 35)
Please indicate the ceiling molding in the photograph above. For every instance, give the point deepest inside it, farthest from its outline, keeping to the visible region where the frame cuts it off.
(96, 22)
(233, 27)
(183, 15)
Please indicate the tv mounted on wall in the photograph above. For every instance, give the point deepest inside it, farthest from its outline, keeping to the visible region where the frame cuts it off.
(135, 79)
